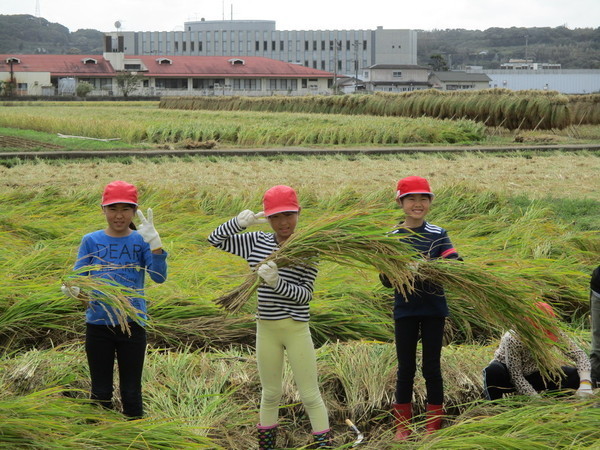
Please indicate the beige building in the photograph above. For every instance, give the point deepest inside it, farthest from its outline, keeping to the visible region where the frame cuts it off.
(459, 81)
(396, 78)
(162, 75)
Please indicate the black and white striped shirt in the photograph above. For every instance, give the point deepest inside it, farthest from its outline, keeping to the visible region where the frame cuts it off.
(294, 289)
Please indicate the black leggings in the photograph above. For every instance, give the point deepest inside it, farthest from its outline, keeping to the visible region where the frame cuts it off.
(408, 331)
(497, 381)
(102, 343)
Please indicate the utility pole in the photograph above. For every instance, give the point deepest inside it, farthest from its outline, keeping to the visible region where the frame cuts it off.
(335, 44)
(355, 64)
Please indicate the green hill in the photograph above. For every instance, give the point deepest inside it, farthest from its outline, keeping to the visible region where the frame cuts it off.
(28, 35)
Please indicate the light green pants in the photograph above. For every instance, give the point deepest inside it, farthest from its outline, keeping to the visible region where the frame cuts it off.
(273, 337)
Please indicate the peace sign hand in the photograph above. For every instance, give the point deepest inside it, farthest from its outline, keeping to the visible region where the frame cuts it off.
(147, 230)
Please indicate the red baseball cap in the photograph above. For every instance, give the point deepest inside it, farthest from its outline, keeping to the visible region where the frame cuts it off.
(119, 192)
(412, 185)
(280, 199)
(546, 308)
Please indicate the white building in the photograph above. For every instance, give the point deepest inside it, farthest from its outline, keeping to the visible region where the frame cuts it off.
(566, 81)
(342, 52)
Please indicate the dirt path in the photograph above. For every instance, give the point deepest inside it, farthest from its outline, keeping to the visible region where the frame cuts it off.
(86, 154)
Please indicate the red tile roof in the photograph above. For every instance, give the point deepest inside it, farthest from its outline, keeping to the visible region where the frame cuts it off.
(59, 65)
(182, 66)
(222, 66)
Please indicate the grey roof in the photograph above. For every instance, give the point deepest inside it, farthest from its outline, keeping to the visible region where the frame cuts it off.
(461, 76)
(398, 66)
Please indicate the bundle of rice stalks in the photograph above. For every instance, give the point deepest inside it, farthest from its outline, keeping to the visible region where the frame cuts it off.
(107, 294)
(503, 302)
(353, 239)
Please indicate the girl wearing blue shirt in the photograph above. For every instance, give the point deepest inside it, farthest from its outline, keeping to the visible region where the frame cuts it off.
(123, 255)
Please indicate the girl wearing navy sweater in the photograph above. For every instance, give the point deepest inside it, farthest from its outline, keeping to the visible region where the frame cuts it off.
(422, 313)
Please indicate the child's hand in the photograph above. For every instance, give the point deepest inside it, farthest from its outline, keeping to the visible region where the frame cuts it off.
(147, 230)
(247, 218)
(269, 273)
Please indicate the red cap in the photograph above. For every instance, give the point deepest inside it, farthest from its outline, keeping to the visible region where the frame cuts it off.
(119, 192)
(550, 312)
(280, 199)
(412, 185)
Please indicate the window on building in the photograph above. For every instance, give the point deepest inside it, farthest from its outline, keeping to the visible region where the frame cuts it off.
(184, 46)
(347, 45)
(283, 85)
(281, 46)
(314, 64)
(315, 46)
(272, 84)
(273, 46)
(176, 46)
(257, 46)
(304, 83)
(339, 65)
(364, 45)
(322, 65)
(306, 64)
(265, 46)
(322, 45)
(305, 45)
(132, 66)
(397, 74)
(192, 46)
(293, 85)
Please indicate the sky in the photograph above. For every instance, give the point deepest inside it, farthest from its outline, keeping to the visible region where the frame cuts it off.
(170, 15)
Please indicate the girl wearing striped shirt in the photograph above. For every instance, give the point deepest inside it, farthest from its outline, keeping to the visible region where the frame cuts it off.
(283, 311)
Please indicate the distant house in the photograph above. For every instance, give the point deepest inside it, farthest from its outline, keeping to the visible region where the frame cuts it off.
(459, 81)
(396, 78)
(163, 75)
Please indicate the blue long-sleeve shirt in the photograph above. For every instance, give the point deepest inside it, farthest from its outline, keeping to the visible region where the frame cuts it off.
(123, 260)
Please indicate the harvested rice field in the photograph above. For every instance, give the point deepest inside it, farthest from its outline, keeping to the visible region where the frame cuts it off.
(524, 222)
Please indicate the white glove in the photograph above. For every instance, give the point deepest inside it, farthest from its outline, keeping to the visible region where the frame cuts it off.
(269, 273)
(247, 218)
(147, 230)
(71, 291)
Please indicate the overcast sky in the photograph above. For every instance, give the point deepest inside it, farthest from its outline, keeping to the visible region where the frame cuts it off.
(169, 15)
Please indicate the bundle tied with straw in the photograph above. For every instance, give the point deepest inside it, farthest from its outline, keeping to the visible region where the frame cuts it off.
(356, 239)
(353, 239)
(106, 293)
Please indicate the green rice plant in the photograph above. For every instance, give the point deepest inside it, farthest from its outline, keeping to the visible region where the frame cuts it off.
(48, 419)
(519, 423)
